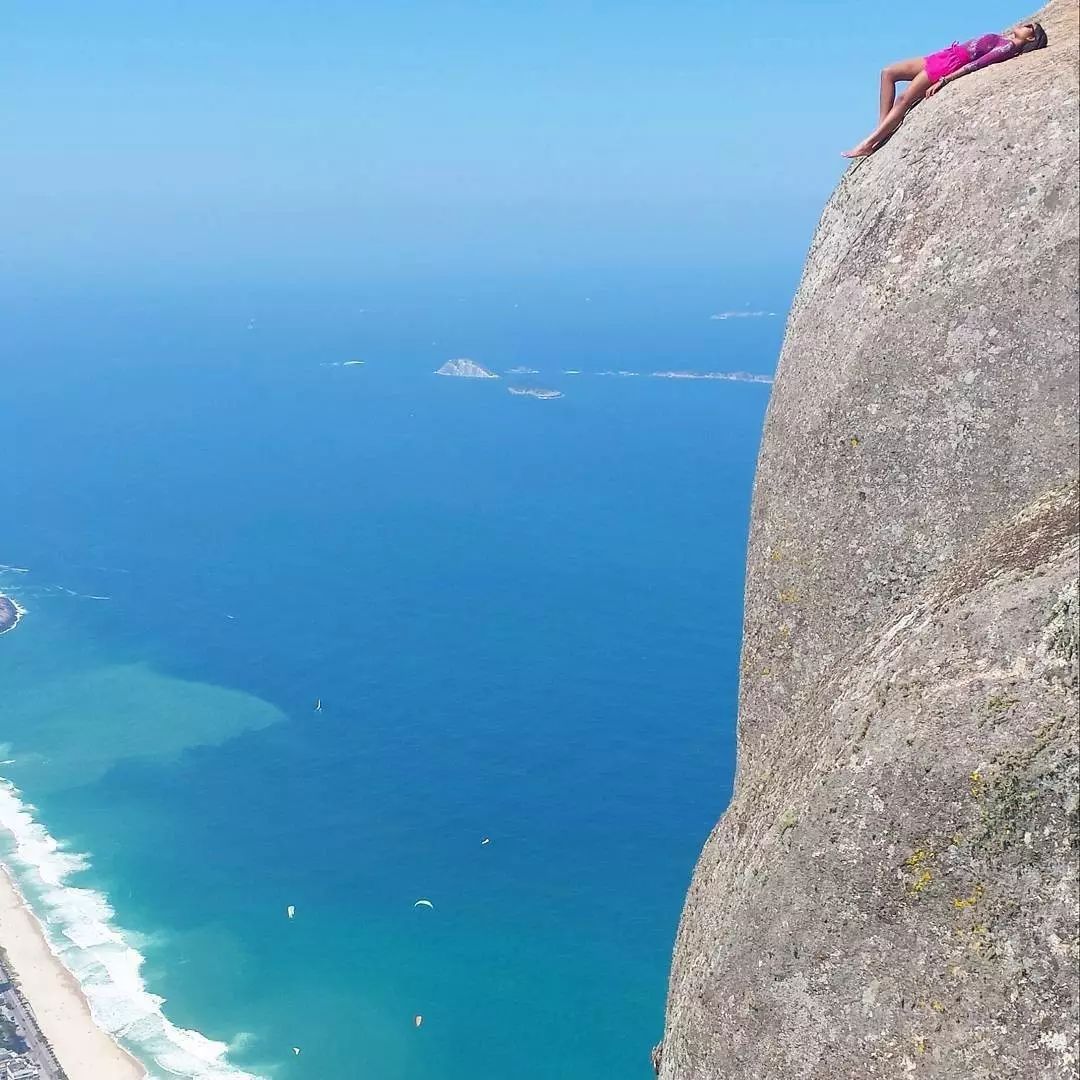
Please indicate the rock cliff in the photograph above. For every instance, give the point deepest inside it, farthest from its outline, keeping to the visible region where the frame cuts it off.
(893, 889)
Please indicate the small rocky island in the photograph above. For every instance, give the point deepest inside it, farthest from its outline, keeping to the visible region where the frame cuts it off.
(464, 368)
(9, 614)
(536, 392)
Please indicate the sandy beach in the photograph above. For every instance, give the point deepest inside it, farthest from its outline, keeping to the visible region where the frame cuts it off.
(83, 1049)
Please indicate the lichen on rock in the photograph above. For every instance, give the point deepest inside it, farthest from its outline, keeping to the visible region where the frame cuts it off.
(1061, 635)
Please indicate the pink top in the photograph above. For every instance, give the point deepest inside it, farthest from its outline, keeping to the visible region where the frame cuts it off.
(985, 50)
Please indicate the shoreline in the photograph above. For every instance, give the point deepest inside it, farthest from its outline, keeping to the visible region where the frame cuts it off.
(84, 1050)
(68, 933)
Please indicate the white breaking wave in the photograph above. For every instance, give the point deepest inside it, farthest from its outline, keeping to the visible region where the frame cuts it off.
(13, 569)
(80, 930)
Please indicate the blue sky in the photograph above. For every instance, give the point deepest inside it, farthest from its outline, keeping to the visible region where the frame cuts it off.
(241, 139)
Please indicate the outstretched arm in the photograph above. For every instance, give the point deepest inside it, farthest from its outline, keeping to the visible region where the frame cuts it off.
(994, 56)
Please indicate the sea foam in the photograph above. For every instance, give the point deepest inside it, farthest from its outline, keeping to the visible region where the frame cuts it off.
(80, 929)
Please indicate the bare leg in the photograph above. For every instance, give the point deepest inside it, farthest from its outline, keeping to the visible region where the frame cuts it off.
(908, 100)
(901, 71)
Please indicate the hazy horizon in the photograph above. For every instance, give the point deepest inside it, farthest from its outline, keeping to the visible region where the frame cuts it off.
(242, 142)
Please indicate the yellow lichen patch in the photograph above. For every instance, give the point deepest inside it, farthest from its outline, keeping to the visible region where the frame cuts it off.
(918, 857)
(978, 785)
(963, 902)
(853, 442)
(936, 1005)
(921, 882)
(916, 864)
(775, 555)
(789, 596)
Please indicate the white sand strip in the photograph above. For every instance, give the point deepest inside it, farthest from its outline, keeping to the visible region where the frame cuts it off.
(84, 1050)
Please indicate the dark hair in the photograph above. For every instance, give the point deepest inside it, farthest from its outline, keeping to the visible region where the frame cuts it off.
(1038, 41)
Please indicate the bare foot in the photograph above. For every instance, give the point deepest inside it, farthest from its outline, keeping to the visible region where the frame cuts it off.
(862, 150)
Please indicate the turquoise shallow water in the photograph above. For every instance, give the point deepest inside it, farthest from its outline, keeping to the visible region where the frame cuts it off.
(521, 617)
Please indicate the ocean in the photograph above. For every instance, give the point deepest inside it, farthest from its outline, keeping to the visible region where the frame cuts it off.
(520, 618)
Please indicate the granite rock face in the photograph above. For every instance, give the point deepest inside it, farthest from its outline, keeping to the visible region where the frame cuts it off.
(893, 889)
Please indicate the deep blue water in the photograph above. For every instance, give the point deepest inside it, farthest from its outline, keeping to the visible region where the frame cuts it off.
(521, 617)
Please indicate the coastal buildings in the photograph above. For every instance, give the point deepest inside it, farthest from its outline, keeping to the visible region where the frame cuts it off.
(24, 1052)
(18, 1067)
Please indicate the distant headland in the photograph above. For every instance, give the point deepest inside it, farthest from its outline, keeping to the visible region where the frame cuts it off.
(725, 376)
(464, 368)
(10, 613)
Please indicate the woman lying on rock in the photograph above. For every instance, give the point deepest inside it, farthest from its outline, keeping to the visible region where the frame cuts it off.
(928, 74)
